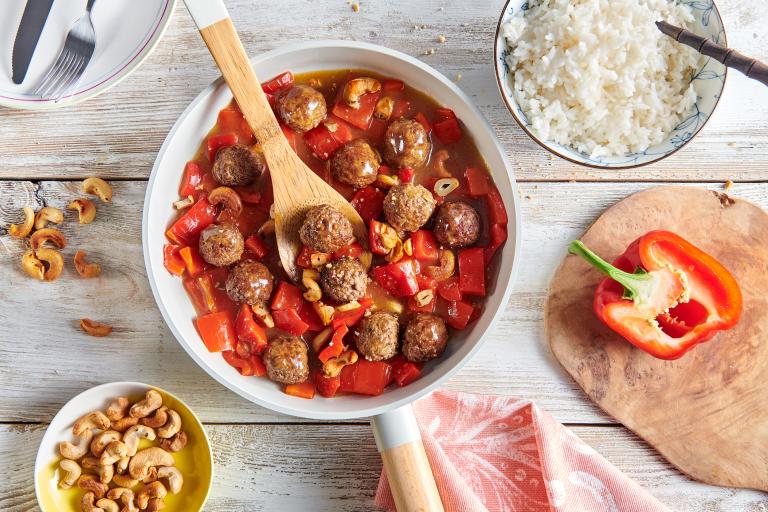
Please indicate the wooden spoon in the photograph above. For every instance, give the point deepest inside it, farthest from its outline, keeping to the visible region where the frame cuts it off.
(296, 187)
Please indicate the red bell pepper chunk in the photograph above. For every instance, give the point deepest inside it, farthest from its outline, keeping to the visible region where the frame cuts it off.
(289, 321)
(249, 195)
(359, 117)
(281, 81)
(353, 250)
(186, 230)
(251, 366)
(192, 178)
(391, 85)
(365, 377)
(216, 142)
(324, 141)
(231, 120)
(302, 390)
(425, 247)
(445, 113)
(248, 331)
(208, 289)
(192, 261)
(376, 231)
(352, 316)
(398, 278)
(335, 347)
(217, 331)
(425, 283)
(404, 370)
(400, 109)
(405, 174)
(287, 296)
(172, 260)
(498, 237)
(304, 259)
(664, 295)
(459, 314)
(256, 245)
(447, 130)
(326, 386)
(310, 317)
(478, 181)
(369, 202)
(449, 289)
(472, 271)
(497, 213)
(423, 121)
(375, 132)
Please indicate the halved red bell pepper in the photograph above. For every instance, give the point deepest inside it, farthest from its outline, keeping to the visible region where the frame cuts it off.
(256, 245)
(248, 331)
(353, 250)
(335, 347)
(664, 295)
(186, 230)
(425, 247)
(326, 386)
(290, 321)
(287, 296)
(365, 377)
(398, 278)
(472, 271)
(301, 390)
(478, 181)
(281, 81)
(192, 178)
(217, 331)
(216, 142)
(404, 370)
(369, 202)
(172, 260)
(192, 261)
(359, 117)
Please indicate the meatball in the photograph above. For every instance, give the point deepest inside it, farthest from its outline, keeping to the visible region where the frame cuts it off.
(344, 280)
(356, 163)
(286, 360)
(301, 108)
(406, 144)
(221, 245)
(457, 224)
(377, 339)
(249, 282)
(425, 337)
(236, 166)
(326, 229)
(407, 207)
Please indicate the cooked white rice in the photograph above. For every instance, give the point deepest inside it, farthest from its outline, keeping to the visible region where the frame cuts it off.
(597, 75)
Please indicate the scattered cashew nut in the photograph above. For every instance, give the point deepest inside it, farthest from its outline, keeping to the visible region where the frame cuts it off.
(94, 328)
(48, 214)
(40, 237)
(333, 366)
(174, 476)
(153, 490)
(172, 426)
(86, 210)
(76, 451)
(33, 266)
(98, 187)
(91, 483)
(148, 458)
(102, 440)
(152, 401)
(86, 269)
(134, 435)
(158, 419)
(72, 472)
(25, 228)
(114, 451)
(108, 505)
(176, 443)
(118, 408)
(356, 87)
(86, 503)
(54, 261)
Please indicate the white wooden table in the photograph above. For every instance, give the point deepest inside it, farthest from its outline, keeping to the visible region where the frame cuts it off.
(265, 461)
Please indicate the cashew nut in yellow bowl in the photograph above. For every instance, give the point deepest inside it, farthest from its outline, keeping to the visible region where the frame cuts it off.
(124, 446)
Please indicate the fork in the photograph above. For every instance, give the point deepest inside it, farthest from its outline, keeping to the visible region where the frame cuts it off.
(70, 65)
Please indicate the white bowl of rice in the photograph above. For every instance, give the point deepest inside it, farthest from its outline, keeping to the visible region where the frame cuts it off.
(595, 82)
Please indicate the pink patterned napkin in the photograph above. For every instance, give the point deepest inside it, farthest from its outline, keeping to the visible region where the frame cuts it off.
(503, 454)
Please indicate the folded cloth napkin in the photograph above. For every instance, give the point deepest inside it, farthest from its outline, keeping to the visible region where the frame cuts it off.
(504, 454)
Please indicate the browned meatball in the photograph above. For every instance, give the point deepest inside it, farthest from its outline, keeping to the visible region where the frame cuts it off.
(236, 166)
(407, 207)
(301, 107)
(249, 282)
(457, 224)
(326, 229)
(425, 337)
(406, 144)
(356, 163)
(286, 360)
(344, 280)
(221, 245)
(377, 339)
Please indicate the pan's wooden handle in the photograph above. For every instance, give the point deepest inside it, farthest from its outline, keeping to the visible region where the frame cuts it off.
(408, 471)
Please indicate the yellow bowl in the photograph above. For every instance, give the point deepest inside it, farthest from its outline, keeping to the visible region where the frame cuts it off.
(195, 461)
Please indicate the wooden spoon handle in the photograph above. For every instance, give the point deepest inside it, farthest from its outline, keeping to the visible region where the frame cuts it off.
(405, 461)
(219, 34)
(751, 67)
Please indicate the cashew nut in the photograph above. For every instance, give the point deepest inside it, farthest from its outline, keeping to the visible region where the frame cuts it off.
(76, 451)
(72, 472)
(94, 419)
(172, 426)
(33, 266)
(54, 261)
(424, 297)
(86, 503)
(263, 316)
(446, 267)
(155, 504)
(102, 440)
(151, 476)
(94, 328)
(356, 87)
(152, 402)
(122, 464)
(93, 464)
(332, 367)
(114, 451)
(230, 200)
(384, 108)
(118, 408)
(41, 236)
(408, 247)
(124, 424)
(108, 505)
(98, 187)
(25, 228)
(126, 496)
(158, 419)
(125, 481)
(319, 259)
(147, 458)
(174, 476)
(386, 181)
(438, 164)
(92, 483)
(319, 341)
(267, 229)
(85, 269)
(176, 443)
(86, 210)
(184, 203)
(48, 214)
(134, 435)
(309, 278)
(153, 490)
(396, 253)
(325, 312)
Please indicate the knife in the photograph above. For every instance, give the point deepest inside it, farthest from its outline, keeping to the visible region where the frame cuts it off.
(30, 28)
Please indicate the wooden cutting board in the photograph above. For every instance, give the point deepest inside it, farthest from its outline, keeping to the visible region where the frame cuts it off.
(707, 412)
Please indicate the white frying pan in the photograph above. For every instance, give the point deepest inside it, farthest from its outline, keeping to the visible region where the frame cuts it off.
(395, 429)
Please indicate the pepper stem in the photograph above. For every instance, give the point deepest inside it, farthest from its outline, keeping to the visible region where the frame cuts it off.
(637, 287)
